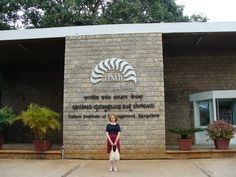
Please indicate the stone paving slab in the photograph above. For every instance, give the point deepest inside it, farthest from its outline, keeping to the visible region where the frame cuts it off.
(127, 168)
(144, 168)
(217, 167)
(36, 168)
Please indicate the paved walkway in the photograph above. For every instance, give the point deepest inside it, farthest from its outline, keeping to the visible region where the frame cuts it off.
(127, 168)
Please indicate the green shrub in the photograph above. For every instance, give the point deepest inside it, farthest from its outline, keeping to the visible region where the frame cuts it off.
(7, 116)
(220, 129)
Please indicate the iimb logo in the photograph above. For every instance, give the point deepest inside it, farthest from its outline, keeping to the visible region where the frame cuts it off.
(113, 70)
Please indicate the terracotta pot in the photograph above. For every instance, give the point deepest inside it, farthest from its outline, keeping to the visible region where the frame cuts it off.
(1, 142)
(185, 144)
(42, 145)
(222, 144)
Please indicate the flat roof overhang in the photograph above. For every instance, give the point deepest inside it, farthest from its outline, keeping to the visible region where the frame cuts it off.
(165, 28)
(214, 94)
(179, 39)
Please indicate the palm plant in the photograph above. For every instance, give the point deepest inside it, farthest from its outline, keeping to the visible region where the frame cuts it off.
(40, 120)
(185, 142)
(185, 132)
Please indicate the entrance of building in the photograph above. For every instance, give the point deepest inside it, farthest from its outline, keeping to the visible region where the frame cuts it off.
(211, 106)
(31, 71)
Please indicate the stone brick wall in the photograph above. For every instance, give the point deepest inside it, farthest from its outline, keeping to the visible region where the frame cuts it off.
(84, 137)
(20, 89)
(186, 75)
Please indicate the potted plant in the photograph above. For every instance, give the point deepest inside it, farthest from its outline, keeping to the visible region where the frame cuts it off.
(40, 120)
(7, 116)
(221, 132)
(185, 140)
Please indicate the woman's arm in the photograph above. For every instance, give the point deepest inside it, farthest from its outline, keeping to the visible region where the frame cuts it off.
(108, 137)
(117, 138)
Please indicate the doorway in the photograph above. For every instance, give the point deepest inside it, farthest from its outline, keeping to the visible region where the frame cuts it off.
(226, 110)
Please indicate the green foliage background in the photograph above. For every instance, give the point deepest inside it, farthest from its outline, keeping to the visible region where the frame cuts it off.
(57, 13)
(7, 116)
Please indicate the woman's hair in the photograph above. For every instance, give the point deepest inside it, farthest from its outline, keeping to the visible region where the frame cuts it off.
(110, 115)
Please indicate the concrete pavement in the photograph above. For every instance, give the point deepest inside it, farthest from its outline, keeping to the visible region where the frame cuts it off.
(127, 168)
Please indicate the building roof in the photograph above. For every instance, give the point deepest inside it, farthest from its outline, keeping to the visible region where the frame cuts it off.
(61, 32)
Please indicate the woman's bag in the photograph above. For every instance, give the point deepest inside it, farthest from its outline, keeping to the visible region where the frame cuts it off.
(114, 155)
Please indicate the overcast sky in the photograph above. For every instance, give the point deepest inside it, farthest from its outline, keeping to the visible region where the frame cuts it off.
(215, 10)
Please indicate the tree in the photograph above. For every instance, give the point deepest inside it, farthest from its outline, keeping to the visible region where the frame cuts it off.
(144, 11)
(198, 18)
(56, 13)
(8, 14)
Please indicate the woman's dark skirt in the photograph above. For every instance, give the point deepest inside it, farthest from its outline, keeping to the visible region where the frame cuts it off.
(113, 139)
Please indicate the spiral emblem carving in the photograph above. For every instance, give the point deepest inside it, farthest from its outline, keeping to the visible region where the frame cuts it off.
(121, 65)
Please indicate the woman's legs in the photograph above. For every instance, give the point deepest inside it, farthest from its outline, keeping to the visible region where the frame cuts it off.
(114, 165)
(111, 165)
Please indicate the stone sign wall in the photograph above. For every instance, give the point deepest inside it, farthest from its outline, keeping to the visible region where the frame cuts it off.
(121, 74)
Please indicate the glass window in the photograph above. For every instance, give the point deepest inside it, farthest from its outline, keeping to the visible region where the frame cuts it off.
(226, 110)
(204, 113)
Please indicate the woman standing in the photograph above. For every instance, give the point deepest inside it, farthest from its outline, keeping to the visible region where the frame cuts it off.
(113, 138)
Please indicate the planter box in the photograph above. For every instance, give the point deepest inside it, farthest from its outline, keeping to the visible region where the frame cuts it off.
(222, 144)
(42, 145)
(185, 144)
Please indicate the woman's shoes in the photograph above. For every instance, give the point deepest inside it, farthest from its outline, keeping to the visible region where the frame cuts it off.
(113, 169)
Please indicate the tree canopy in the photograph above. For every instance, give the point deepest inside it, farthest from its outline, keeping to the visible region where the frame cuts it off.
(56, 13)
